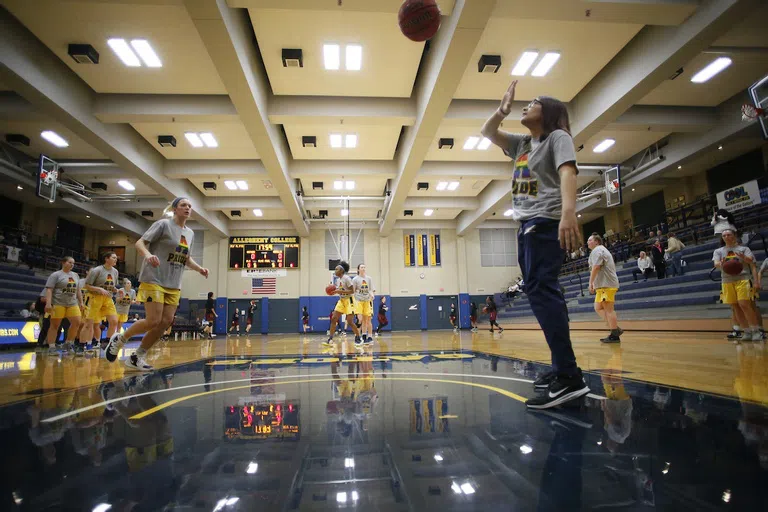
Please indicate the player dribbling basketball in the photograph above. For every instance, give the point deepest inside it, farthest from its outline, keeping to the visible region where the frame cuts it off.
(344, 290)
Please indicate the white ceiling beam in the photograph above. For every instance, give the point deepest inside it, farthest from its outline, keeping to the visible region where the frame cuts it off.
(316, 110)
(148, 203)
(649, 59)
(15, 108)
(659, 118)
(316, 203)
(312, 168)
(250, 227)
(164, 108)
(640, 12)
(443, 67)
(463, 203)
(424, 224)
(228, 36)
(388, 6)
(242, 203)
(491, 198)
(474, 170)
(38, 75)
(213, 168)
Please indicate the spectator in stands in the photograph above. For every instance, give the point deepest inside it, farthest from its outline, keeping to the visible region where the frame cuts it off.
(660, 236)
(722, 220)
(736, 290)
(604, 283)
(657, 255)
(675, 250)
(29, 311)
(644, 266)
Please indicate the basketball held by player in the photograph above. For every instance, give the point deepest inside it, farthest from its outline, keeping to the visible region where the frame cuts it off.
(345, 290)
(166, 250)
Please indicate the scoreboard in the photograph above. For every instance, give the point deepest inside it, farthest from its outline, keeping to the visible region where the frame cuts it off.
(263, 252)
(262, 421)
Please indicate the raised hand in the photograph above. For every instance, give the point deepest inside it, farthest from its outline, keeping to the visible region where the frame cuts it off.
(506, 101)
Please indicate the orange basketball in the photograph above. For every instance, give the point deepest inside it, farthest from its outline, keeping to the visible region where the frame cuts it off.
(733, 267)
(419, 19)
(330, 289)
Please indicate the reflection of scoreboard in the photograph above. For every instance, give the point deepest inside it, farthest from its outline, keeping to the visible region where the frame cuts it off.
(262, 421)
(263, 252)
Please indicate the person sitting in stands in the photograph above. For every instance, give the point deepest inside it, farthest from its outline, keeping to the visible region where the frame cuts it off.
(722, 220)
(644, 267)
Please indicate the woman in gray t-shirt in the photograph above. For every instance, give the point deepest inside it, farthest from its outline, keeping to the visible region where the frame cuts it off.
(166, 248)
(63, 300)
(544, 203)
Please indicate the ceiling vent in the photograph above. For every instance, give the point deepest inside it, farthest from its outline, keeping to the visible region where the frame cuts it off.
(209, 185)
(422, 185)
(147, 213)
(489, 64)
(317, 185)
(293, 58)
(167, 141)
(83, 53)
(235, 213)
(445, 144)
(408, 213)
(309, 141)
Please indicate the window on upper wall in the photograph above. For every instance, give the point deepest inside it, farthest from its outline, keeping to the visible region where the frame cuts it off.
(343, 245)
(198, 244)
(498, 247)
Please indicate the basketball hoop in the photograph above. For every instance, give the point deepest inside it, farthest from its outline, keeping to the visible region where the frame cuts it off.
(613, 186)
(750, 113)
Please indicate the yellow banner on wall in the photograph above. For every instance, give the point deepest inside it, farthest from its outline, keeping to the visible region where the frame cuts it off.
(421, 251)
(432, 253)
(409, 250)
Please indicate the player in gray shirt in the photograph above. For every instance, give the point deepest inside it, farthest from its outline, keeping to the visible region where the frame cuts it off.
(544, 202)
(736, 289)
(100, 286)
(166, 249)
(63, 300)
(604, 283)
(363, 286)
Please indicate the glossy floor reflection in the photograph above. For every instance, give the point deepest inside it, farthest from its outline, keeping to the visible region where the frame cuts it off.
(245, 428)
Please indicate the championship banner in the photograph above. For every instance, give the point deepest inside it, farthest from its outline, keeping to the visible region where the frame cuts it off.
(739, 197)
(436, 250)
(423, 251)
(432, 254)
(409, 243)
(264, 272)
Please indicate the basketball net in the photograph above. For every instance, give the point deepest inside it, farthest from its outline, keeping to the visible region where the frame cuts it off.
(750, 113)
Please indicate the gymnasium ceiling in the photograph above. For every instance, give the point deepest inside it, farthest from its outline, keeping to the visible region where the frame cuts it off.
(222, 73)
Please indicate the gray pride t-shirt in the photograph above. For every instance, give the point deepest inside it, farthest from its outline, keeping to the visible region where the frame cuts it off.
(728, 253)
(535, 177)
(65, 286)
(606, 277)
(363, 288)
(344, 283)
(172, 244)
(100, 277)
(123, 300)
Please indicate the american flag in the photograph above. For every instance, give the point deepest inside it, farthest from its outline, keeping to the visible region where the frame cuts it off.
(264, 285)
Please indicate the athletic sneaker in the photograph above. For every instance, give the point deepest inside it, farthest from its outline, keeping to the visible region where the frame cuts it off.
(113, 347)
(137, 363)
(735, 335)
(611, 338)
(328, 343)
(757, 335)
(79, 350)
(368, 341)
(563, 389)
(544, 380)
(53, 351)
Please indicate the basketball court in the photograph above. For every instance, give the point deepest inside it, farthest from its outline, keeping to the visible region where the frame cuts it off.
(308, 133)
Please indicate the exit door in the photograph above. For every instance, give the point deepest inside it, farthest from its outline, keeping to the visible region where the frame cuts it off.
(406, 313)
(439, 309)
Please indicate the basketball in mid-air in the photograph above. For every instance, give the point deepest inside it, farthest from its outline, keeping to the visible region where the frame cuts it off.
(733, 267)
(419, 19)
(330, 289)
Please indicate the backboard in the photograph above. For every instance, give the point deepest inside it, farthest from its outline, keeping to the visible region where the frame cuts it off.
(758, 92)
(613, 186)
(47, 178)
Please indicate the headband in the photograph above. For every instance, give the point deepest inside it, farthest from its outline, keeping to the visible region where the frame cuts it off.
(176, 201)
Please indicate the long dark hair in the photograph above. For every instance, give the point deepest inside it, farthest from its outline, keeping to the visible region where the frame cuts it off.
(554, 115)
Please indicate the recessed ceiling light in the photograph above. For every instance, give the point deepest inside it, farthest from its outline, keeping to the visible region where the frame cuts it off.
(102, 507)
(19, 187)
(230, 185)
(719, 147)
(355, 496)
(54, 138)
(253, 467)
(349, 462)
(341, 497)
(545, 64)
(124, 52)
(344, 213)
(257, 212)
(354, 57)
(679, 167)
(524, 448)
(127, 185)
(331, 57)
(349, 185)
(711, 70)
(438, 457)
(428, 213)
(453, 185)
(508, 213)
(147, 54)
(335, 140)
(194, 139)
(87, 216)
(579, 215)
(467, 488)
(338, 185)
(350, 140)
(455, 488)
(524, 63)
(484, 144)
(471, 142)
(209, 140)
(633, 190)
(112, 227)
(442, 185)
(242, 185)
(607, 143)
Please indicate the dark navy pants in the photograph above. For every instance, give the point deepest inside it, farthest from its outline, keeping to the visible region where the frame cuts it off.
(540, 258)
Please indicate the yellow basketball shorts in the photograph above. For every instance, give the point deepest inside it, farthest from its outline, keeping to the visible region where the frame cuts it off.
(100, 306)
(606, 294)
(364, 308)
(149, 292)
(734, 292)
(122, 318)
(344, 306)
(60, 312)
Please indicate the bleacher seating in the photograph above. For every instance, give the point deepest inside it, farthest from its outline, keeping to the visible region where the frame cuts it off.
(695, 288)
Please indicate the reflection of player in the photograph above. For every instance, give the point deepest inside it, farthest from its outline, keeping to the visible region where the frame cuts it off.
(617, 407)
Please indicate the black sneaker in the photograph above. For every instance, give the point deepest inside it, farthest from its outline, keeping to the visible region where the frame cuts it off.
(563, 389)
(735, 335)
(369, 341)
(544, 380)
(612, 338)
(113, 347)
(621, 331)
(79, 350)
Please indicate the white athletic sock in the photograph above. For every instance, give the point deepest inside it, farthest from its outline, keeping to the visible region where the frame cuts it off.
(736, 328)
(141, 352)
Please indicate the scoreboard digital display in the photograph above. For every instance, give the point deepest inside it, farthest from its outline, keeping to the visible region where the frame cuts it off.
(262, 421)
(263, 252)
